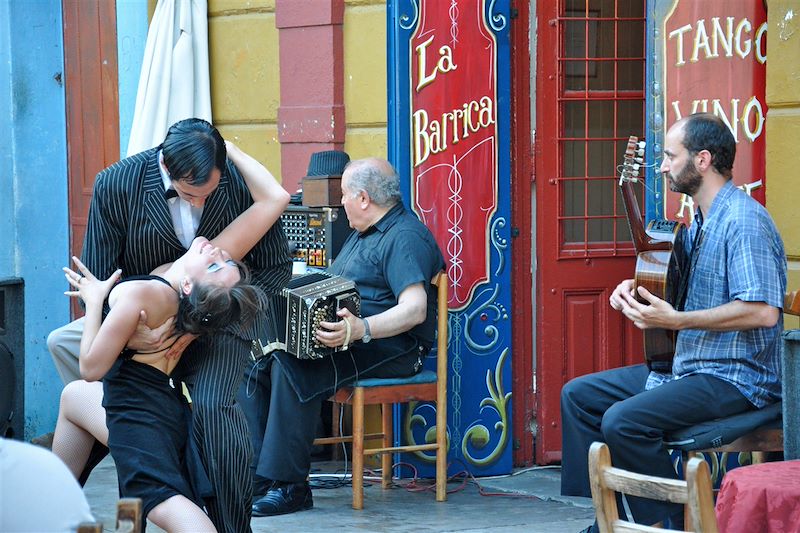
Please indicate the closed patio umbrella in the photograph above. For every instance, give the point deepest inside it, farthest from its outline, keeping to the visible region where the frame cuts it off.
(174, 82)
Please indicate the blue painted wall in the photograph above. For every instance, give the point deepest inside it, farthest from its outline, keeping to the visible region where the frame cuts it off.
(34, 223)
(131, 37)
(33, 187)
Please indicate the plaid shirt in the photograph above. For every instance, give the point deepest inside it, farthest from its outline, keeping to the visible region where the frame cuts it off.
(740, 256)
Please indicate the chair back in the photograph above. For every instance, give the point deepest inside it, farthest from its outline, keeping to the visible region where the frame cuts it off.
(129, 518)
(790, 361)
(791, 303)
(440, 281)
(695, 492)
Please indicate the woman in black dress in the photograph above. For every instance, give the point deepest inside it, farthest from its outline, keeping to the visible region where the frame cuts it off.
(146, 420)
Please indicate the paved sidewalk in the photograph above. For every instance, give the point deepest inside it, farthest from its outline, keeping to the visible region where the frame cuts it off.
(528, 501)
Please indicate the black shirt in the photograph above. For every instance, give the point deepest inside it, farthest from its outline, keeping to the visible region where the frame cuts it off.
(396, 252)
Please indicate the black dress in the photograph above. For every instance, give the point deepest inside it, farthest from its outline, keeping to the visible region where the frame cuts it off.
(149, 434)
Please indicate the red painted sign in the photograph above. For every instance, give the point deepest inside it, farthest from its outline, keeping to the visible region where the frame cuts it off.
(454, 137)
(715, 61)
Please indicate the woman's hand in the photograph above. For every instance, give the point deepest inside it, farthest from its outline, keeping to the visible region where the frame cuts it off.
(90, 289)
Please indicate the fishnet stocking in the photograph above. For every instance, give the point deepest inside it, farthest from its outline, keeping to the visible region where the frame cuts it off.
(179, 514)
(81, 420)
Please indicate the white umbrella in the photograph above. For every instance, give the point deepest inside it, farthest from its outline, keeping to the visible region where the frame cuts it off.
(174, 83)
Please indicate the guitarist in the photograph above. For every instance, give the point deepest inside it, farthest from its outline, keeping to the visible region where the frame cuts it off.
(727, 356)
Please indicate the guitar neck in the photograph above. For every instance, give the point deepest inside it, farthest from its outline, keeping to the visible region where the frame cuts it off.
(635, 222)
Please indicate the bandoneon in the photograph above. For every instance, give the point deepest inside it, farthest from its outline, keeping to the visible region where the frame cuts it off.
(302, 305)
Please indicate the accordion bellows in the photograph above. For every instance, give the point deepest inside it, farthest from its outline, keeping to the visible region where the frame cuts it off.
(303, 304)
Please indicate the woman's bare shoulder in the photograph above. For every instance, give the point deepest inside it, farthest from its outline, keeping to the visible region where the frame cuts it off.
(154, 297)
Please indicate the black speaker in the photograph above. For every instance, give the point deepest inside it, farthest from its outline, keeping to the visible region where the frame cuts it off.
(12, 358)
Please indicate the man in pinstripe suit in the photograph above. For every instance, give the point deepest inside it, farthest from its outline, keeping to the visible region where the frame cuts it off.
(145, 211)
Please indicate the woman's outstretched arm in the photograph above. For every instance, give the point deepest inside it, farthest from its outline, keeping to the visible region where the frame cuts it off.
(102, 341)
(269, 201)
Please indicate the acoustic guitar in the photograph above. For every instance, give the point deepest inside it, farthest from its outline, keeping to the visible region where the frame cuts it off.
(660, 258)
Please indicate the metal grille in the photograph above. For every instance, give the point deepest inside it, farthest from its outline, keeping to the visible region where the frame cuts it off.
(601, 72)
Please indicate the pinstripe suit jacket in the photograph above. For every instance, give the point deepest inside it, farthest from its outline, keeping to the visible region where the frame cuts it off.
(130, 226)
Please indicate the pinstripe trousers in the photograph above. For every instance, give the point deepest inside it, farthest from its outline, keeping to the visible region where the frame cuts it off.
(213, 369)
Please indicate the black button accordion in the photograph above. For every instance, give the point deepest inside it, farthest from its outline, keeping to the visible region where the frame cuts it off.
(305, 302)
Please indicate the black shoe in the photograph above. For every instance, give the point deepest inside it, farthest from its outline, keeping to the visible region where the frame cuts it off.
(261, 486)
(284, 498)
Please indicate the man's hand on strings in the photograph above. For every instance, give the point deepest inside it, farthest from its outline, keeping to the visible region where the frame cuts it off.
(657, 313)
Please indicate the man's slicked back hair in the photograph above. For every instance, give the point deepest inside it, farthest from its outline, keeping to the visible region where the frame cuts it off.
(192, 149)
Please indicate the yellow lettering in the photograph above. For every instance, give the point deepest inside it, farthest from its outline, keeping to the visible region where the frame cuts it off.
(761, 43)
(458, 114)
(743, 27)
(723, 37)
(424, 79)
(443, 65)
(446, 59)
(486, 114)
(700, 41)
(436, 138)
(676, 108)
(699, 106)
(421, 140)
(473, 126)
(686, 202)
(679, 42)
(753, 111)
(720, 112)
(750, 187)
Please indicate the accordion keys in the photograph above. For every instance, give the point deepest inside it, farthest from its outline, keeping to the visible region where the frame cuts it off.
(302, 305)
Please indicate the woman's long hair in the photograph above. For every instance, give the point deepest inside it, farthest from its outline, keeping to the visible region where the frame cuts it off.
(209, 308)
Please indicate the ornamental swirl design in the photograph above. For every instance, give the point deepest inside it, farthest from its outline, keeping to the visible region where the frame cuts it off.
(500, 243)
(407, 22)
(478, 435)
(418, 414)
(497, 21)
(490, 330)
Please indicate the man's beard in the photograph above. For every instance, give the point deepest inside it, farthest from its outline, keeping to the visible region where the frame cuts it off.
(688, 181)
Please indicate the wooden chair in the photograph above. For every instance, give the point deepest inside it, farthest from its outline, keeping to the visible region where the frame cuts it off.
(768, 436)
(695, 493)
(129, 518)
(425, 386)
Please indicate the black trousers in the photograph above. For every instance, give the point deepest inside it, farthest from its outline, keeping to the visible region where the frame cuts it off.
(614, 408)
(282, 427)
(212, 368)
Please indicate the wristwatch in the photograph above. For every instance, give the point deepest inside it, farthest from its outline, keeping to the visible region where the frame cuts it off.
(367, 336)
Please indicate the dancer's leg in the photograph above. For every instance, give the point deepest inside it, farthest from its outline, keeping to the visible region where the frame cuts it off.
(81, 420)
(179, 514)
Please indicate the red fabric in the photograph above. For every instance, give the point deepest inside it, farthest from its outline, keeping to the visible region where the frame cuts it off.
(760, 498)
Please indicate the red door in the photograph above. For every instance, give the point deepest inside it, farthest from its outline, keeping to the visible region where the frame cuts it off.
(589, 99)
(92, 101)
